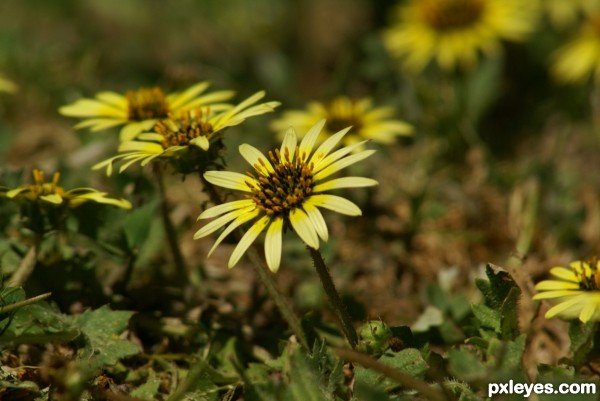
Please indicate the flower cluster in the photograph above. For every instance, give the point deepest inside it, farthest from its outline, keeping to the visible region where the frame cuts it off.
(182, 135)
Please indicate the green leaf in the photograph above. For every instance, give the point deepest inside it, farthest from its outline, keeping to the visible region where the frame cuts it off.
(504, 358)
(101, 329)
(582, 340)
(497, 288)
(137, 224)
(488, 317)
(409, 361)
(39, 323)
(466, 365)
(148, 390)
(510, 315)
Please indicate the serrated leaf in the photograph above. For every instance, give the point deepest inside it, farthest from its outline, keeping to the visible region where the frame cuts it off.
(409, 361)
(39, 323)
(510, 315)
(305, 381)
(488, 317)
(499, 285)
(582, 340)
(504, 357)
(466, 365)
(101, 329)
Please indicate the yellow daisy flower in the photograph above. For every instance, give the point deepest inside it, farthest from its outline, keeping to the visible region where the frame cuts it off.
(367, 121)
(580, 58)
(453, 32)
(286, 189)
(564, 12)
(189, 131)
(52, 194)
(577, 290)
(139, 110)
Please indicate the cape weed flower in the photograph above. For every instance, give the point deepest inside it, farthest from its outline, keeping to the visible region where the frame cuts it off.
(367, 121)
(138, 110)
(579, 58)
(286, 189)
(453, 32)
(577, 290)
(185, 132)
(52, 194)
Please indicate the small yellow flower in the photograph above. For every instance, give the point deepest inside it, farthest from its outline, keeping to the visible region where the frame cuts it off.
(188, 131)
(286, 189)
(577, 291)
(53, 195)
(139, 110)
(7, 86)
(580, 58)
(453, 32)
(367, 121)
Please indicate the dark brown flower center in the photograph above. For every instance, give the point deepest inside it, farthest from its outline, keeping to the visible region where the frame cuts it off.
(588, 279)
(147, 103)
(286, 187)
(451, 14)
(179, 131)
(341, 115)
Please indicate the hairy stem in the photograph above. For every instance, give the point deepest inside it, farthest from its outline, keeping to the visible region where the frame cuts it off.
(264, 275)
(26, 266)
(404, 379)
(170, 231)
(334, 298)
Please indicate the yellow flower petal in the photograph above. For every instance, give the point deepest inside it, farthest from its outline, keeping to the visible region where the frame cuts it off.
(247, 240)
(336, 203)
(303, 227)
(273, 246)
(231, 180)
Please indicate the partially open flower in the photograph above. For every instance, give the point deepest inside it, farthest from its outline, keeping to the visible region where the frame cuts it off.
(52, 194)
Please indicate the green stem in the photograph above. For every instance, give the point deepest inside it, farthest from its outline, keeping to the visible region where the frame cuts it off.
(404, 379)
(29, 301)
(26, 266)
(334, 298)
(264, 275)
(170, 231)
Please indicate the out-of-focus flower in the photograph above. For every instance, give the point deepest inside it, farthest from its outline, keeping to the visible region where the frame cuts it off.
(562, 13)
(139, 110)
(7, 86)
(452, 33)
(188, 132)
(580, 58)
(286, 189)
(367, 121)
(53, 195)
(576, 290)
